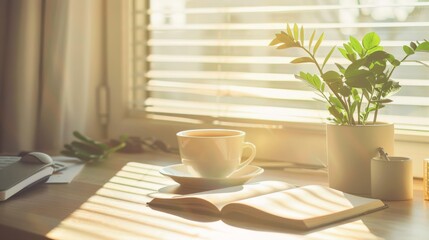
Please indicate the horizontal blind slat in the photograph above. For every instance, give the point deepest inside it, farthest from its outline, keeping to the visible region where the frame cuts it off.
(252, 76)
(258, 92)
(242, 43)
(211, 60)
(256, 112)
(217, 75)
(229, 90)
(277, 26)
(231, 110)
(271, 9)
(247, 59)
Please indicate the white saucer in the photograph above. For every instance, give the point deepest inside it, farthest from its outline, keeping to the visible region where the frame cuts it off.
(181, 174)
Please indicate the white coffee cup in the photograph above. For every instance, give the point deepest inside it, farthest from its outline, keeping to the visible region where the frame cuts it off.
(214, 153)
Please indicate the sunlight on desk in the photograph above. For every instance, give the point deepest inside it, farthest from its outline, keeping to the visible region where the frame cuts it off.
(119, 210)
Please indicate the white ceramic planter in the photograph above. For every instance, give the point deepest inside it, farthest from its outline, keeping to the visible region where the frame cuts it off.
(350, 150)
(392, 180)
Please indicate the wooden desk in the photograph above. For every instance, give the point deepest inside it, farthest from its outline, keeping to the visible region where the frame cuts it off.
(105, 202)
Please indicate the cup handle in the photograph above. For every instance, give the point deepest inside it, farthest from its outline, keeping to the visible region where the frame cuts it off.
(250, 158)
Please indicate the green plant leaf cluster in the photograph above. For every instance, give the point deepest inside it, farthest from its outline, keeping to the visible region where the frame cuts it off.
(90, 150)
(355, 91)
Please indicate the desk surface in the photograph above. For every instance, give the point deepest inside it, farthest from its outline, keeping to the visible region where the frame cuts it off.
(107, 201)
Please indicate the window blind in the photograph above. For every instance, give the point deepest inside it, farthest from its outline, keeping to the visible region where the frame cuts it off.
(208, 61)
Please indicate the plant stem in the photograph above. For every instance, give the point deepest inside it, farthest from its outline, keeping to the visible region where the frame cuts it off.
(376, 109)
(359, 106)
(321, 73)
(367, 106)
(375, 114)
(351, 117)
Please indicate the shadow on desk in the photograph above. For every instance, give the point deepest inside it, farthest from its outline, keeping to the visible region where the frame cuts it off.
(118, 210)
(348, 229)
(238, 221)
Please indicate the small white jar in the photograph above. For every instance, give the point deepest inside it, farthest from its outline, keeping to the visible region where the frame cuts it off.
(392, 180)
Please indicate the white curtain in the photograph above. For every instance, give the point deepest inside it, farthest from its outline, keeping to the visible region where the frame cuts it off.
(50, 65)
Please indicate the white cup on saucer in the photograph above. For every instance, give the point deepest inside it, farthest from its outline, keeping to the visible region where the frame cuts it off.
(214, 153)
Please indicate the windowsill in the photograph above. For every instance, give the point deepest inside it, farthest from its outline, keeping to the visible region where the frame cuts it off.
(412, 136)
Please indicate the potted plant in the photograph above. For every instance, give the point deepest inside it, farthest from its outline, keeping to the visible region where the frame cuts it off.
(354, 94)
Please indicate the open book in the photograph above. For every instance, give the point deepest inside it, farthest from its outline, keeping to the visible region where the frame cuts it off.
(275, 203)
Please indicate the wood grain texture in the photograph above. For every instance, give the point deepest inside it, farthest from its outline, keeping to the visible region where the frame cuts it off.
(107, 201)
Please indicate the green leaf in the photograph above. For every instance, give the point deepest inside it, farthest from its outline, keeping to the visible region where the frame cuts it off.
(390, 88)
(84, 147)
(378, 67)
(331, 75)
(351, 55)
(275, 41)
(345, 91)
(393, 60)
(357, 65)
(378, 56)
(284, 37)
(301, 34)
(115, 148)
(356, 46)
(341, 68)
(344, 53)
(90, 141)
(408, 50)
(284, 46)
(355, 95)
(313, 80)
(375, 49)
(396, 63)
(318, 83)
(82, 153)
(295, 32)
(413, 45)
(311, 39)
(333, 79)
(380, 106)
(289, 31)
(336, 114)
(319, 41)
(358, 79)
(88, 149)
(280, 38)
(381, 78)
(302, 60)
(287, 41)
(348, 48)
(334, 100)
(328, 56)
(370, 40)
(423, 47)
(372, 108)
(386, 86)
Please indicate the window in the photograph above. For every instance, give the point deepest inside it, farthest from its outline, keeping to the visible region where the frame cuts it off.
(194, 63)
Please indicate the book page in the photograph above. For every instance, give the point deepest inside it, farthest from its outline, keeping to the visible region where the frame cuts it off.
(223, 196)
(311, 205)
(220, 197)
